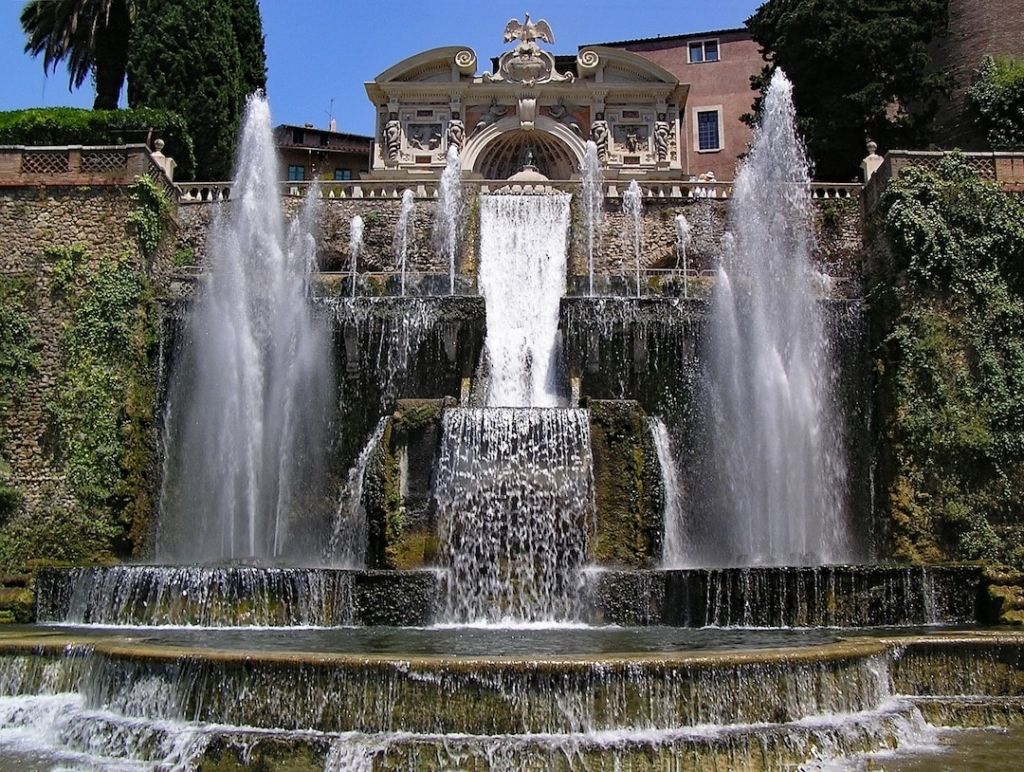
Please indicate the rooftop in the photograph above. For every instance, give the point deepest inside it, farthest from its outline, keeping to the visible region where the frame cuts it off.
(683, 36)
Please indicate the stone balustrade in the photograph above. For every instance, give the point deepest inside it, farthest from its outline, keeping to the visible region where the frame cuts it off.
(208, 192)
(78, 165)
(1004, 167)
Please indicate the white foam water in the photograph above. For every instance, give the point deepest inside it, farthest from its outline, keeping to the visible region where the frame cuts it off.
(632, 207)
(522, 277)
(675, 544)
(347, 547)
(404, 234)
(448, 218)
(250, 386)
(776, 430)
(515, 503)
(355, 246)
(592, 192)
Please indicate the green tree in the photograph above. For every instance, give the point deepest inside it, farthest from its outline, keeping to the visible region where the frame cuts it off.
(90, 36)
(857, 67)
(187, 56)
(248, 26)
(997, 99)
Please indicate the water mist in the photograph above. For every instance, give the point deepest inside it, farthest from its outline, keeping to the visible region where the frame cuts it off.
(776, 431)
(248, 400)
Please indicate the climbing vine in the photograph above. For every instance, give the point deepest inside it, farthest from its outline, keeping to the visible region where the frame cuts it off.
(950, 355)
(150, 214)
(100, 410)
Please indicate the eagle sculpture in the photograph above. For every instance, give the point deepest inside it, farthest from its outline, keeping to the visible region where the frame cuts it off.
(528, 31)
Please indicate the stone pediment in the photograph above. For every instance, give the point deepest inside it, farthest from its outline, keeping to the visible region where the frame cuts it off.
(427, 103)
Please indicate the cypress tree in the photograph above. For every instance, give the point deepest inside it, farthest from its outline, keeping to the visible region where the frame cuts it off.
(187, 56)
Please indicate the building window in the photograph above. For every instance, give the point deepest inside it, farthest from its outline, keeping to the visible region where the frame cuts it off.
(703, 51)
(342, 174)
(296, 173)
(298, 137)
(707, 129)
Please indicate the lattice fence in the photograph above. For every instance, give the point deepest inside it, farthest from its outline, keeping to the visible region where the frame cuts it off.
(45, 162)
(103, 161)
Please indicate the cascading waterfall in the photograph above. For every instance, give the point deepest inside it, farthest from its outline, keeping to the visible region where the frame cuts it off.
(522, 278)
(682, 244)
(675, 546)
(347, 547)
(632, 207)
(248, 401)
(449, 212)
(592, 190)
(776, 431)
(355, 246)
(515, 502)
(403, 233)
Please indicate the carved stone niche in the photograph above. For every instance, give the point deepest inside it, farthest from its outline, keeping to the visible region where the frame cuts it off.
(423, 130)
(632, 138)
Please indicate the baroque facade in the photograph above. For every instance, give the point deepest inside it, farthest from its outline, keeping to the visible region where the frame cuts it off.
(532, 110)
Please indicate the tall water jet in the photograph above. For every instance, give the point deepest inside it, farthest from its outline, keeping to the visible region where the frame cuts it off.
(592, 192)
(403, 233)
(676, 548)
(632, 207)
(776, 429)
(355, 246)
(449, 212)
(515, 502)
(249, 393)
(682, 244)
(522, 278)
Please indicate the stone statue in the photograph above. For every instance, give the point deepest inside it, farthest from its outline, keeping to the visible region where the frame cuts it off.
(662, 134)
(494, 114)
(563, 115)
(456, 132)
(392, 137)
(528, 31)
(599, 134)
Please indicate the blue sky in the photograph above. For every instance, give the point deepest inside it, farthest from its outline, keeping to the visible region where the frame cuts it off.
(319, 50)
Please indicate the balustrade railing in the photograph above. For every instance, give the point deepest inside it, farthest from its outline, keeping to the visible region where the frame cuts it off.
(212, 192)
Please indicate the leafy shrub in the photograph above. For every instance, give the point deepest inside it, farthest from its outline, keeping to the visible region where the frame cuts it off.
(74, 126)
(997, 99)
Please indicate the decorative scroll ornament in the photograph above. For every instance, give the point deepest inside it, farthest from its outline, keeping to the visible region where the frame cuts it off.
(527, 63)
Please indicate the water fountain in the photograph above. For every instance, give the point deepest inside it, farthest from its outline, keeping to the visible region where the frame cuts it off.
(497, 633)
(592, 192)
(781, 495)
(682, 244)
(403, 233)
(632, 207)
(355, 246)
(247, 401)
(449, 212)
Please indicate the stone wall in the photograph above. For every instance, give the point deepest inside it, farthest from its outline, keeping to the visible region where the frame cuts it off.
(34, 222)
(837, 221)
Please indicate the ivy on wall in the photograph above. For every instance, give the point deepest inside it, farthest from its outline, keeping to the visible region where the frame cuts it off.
(19, 361)
(101, 407)
(949, 310)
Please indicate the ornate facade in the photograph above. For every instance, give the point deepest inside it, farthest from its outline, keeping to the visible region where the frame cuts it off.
(532, 109)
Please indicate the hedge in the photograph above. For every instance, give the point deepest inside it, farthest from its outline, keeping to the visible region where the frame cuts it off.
(74, 126)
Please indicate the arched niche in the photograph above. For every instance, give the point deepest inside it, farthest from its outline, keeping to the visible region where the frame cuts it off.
(497, 152)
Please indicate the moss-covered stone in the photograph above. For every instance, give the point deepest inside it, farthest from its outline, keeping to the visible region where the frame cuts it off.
(18, 603)
(627, 486)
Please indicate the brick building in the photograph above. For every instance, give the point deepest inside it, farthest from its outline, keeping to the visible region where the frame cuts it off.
(977, 28)
(717, 66)
(309, 153)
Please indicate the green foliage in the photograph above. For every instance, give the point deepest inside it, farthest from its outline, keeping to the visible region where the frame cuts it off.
(150, 214)
(951, 359)
(851, 63)
(73, 126)
(188, 56)
(19, 350)
(90, 36)
(997, 99)
(183, 258)
(100, 409)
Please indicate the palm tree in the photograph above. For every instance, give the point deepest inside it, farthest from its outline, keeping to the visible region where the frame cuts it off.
(90, 35)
